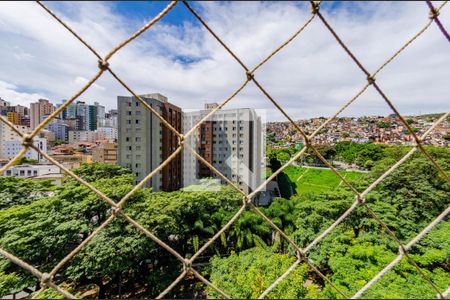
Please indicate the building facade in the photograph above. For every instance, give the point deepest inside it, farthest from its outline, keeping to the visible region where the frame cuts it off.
(39, 110)
(107, 133)
(144, 143)
(14, 117)
(231, 141)
(11, 143)
(76, 136)
(105, 152)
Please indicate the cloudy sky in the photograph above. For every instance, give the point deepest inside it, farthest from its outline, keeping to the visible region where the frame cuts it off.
(312, 76)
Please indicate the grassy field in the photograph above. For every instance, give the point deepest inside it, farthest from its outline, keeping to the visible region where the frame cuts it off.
(317, 180)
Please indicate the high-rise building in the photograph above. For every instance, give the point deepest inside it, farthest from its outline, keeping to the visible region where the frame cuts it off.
(14, 117)
(4, 103)
(144, 142)
(3, 107)
(41, 108)
(110, 119)
(106, 133)
(11, 143)
(101, 113)
(231, 141)
(23, 110)
(59, 128)
(86, 115)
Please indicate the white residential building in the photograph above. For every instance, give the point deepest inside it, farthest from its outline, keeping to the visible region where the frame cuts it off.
(47, 171)
(77, 136)
(11, 143)
(231, 141)
(106, 133)
(12, 148)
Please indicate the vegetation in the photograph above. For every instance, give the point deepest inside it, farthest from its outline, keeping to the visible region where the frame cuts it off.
(42, 223)
(24, 160)
(317, 180)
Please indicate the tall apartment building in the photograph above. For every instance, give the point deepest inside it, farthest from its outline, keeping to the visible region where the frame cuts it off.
(3, 106)
(14, 117)
(11, 143)
(106, 133)
(39, 110)
(77, 136)
(144, 142)
(59, 128)
(231, 141)
(85, 115)
(23, 110)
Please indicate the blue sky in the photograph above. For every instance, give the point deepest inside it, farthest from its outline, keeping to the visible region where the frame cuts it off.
(180, 59)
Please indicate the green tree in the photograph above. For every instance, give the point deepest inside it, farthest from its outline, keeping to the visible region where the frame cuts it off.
(249, 273)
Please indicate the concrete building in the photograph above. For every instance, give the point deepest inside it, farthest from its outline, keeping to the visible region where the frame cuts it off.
(85, 115)
(4, 103)
(38, 110)
(27, 171)
(110, 119)
(11, 143)
(14, 117)
(59, 128)
(144, 142)
(23, 110)
(77, 136)
(231, 141)
(105, 152)
(107, 133)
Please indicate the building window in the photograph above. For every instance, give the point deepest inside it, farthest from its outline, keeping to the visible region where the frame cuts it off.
(129, 121)
(129, 112)
(129, 148)
(127, 139)
(137, 121)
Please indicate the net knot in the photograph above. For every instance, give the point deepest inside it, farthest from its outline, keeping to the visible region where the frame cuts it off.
(418, 140)
(103, 65)
(433, 13)
(402, 250)
(45, 279)
(370, 79)
(27, 141)
(181, 139)
(307, 140)
(116, 210)
(360, 199)
(314, 7)
(249, 75)
(187, 264)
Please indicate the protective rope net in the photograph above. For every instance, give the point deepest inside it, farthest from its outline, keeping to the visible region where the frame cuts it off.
(47, 279)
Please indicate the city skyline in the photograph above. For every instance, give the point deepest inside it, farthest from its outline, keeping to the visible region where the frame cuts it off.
(165, 57)
(268, 120)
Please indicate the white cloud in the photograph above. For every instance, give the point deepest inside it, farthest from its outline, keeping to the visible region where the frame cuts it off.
(9, 91)
(312, 76)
